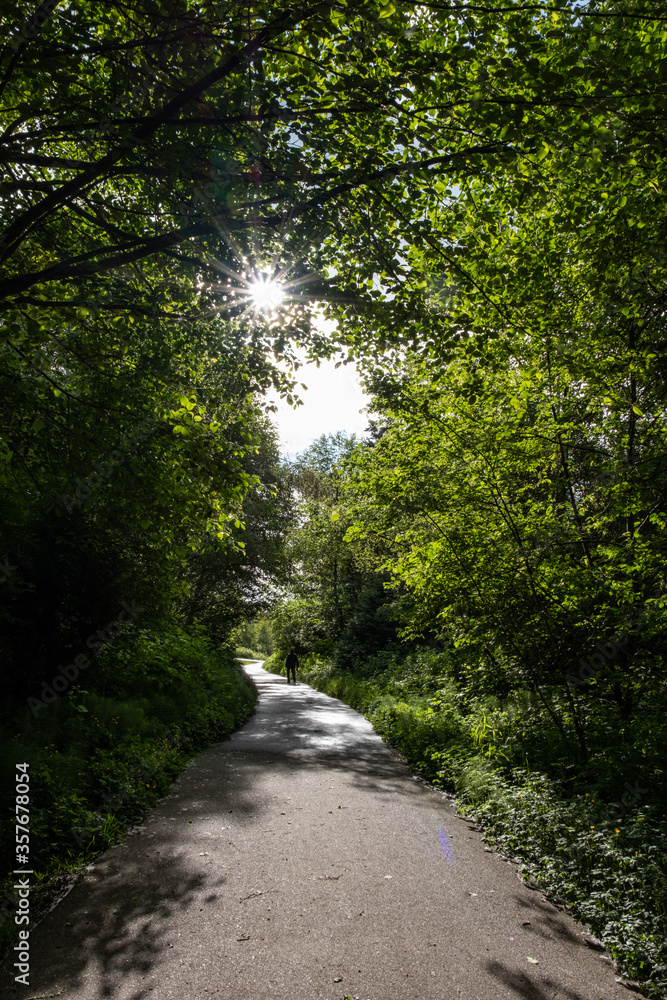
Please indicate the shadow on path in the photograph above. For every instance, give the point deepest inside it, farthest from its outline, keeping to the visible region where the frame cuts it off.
(524, 986)
(114, 930)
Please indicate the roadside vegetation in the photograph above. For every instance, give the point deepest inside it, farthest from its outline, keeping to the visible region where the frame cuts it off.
(254, 639)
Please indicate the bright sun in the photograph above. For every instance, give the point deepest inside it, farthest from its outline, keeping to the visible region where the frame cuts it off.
(266, 294)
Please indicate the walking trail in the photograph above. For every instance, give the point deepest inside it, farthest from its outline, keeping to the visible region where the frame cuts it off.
(301, 859)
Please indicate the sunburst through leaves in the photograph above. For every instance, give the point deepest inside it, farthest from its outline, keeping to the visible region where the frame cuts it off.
(264, 295)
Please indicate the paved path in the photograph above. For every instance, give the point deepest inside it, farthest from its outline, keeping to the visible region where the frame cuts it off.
(300, 860)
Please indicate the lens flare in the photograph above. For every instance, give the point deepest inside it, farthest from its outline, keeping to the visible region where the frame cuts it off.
(265, 294)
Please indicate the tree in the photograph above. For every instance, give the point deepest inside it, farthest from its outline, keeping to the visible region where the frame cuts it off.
(334, 604)
(227, 584)
(470, 186)
(502, 498)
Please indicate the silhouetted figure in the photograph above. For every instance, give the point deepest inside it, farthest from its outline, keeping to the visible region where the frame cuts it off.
(292, 664)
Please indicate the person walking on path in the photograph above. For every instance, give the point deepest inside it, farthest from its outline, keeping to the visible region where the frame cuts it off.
(292, 664)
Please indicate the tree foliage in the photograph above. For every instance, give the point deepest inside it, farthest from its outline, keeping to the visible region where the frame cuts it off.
(334, 601)
(475, 193)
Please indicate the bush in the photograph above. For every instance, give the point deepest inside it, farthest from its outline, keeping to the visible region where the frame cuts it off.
(275, 664)
(243, 653)
(612, 877)
(302, 625)
(255, 635)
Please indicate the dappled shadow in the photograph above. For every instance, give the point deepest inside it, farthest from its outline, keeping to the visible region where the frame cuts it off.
(382, 777)
(548, 922)
(301, 725)
(529, 987)
(113, 924)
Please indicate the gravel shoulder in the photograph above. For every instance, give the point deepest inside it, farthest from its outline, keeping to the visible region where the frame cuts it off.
(301, 859)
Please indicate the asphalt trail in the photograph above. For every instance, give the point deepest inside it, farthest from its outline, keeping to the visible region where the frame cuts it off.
(301, 859)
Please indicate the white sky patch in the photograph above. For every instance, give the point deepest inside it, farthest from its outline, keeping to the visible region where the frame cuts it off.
(331, 403)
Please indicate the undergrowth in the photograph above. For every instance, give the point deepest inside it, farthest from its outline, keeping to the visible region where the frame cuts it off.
(594, 835)
(244, 653)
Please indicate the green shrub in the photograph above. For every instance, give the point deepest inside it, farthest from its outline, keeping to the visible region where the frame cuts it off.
(243, 653)
(255, 635)
(612, 877)
(275, 664)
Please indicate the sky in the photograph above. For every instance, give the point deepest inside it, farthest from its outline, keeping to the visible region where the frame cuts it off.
(331, 403)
